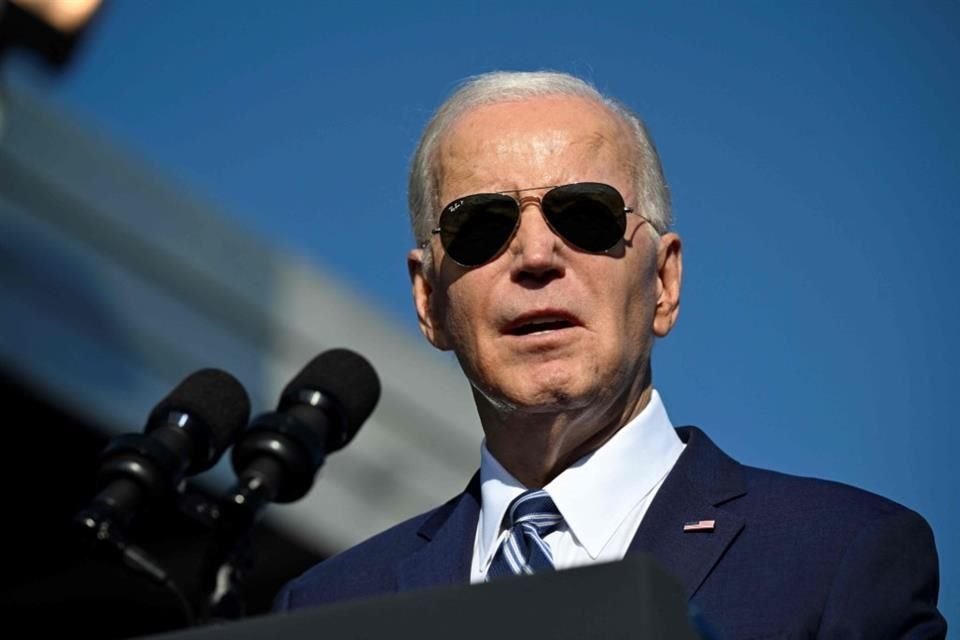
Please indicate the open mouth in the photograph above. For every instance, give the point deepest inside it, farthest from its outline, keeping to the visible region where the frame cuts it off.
(540, 322)
(539, 326)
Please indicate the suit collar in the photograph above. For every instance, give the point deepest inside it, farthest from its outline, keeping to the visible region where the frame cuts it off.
(700, 484)
(702, 481)
(449, 532)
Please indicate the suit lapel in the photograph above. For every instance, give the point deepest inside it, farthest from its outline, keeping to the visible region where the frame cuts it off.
(450, 533)
(703, 479)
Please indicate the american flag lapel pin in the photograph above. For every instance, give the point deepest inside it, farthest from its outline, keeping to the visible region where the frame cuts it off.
(700, 525)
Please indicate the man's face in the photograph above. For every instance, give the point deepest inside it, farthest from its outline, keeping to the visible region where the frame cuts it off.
(546, 327)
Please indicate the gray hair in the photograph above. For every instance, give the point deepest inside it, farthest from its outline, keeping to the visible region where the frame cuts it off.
(514, 86)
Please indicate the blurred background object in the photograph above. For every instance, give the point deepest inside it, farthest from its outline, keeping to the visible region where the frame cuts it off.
(50, 28)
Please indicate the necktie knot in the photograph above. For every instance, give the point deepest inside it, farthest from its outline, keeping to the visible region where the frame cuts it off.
(529, 517)
(534, 508)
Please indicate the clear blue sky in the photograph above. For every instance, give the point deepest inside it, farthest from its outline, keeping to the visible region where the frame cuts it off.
(813, 152)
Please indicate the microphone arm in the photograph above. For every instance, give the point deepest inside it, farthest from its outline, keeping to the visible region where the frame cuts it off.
(107, 533)
(133, 467)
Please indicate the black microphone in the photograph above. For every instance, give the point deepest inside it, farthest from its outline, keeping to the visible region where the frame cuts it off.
(319, 412)
(277, 458)
(186, 433)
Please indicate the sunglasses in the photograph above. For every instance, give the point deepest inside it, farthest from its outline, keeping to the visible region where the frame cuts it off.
(475, 229)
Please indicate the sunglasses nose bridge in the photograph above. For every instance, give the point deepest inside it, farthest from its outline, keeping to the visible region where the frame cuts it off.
(533, 238)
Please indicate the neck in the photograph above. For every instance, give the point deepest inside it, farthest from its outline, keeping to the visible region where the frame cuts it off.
(536, 446)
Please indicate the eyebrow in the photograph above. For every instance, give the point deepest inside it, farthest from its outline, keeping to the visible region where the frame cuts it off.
(549, 186)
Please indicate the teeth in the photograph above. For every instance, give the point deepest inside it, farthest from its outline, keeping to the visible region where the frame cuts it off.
(545, 321)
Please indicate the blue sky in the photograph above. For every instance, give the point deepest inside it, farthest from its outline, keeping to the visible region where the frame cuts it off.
(812, 151)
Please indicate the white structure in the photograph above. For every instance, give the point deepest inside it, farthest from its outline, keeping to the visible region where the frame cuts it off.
(114, 287)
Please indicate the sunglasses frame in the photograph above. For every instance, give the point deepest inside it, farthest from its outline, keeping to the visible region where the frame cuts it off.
(455, 204)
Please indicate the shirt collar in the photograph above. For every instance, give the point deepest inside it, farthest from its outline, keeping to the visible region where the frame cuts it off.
(597, 492)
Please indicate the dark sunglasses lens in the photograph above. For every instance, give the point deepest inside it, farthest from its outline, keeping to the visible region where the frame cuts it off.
(477, 228)
(588, 215)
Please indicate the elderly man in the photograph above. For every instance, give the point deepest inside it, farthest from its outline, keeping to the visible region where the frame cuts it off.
(546, 264)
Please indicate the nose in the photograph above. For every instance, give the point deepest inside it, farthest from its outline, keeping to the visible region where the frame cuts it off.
(534, 248)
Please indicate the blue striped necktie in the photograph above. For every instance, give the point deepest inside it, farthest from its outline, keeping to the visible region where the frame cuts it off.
(531, 516)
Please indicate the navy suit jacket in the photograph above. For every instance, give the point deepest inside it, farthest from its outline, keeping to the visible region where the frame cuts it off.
(788, 557)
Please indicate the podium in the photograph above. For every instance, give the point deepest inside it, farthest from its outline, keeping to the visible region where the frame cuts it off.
(632, 598)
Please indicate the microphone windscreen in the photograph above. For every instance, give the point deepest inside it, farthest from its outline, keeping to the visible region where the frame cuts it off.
(215, 398)
(346, 376)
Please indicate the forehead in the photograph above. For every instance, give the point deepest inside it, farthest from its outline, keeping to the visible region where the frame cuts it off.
(541, 141)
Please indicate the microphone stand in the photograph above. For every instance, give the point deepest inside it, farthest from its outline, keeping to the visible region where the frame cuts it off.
(100, 527)
(230, 557)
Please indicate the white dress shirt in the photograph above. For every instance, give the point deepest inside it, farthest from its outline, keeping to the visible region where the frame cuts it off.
(602, 497)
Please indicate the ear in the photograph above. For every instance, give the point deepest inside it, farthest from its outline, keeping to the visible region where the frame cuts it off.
(669, 276)
(424, 300)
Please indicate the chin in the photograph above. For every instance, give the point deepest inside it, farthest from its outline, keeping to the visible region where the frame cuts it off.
(538, 397)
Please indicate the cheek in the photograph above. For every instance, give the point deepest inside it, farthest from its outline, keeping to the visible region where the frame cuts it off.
(465, 310)
(636, 310)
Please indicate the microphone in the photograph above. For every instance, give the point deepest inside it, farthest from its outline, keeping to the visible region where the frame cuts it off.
(277, 458)
(319, 412)
(186, 433)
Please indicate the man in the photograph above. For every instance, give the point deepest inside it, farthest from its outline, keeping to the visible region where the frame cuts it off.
(546, 264)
